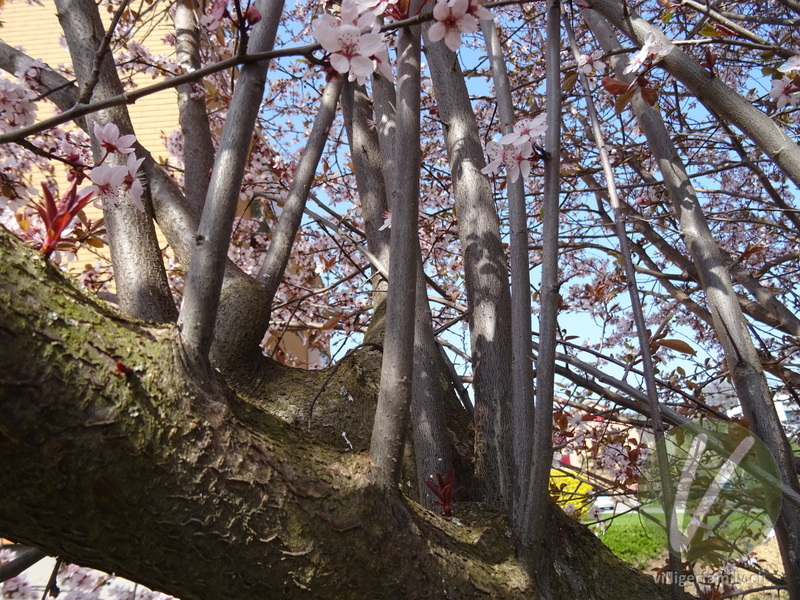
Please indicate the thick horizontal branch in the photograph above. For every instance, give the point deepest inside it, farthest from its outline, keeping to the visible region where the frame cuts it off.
(109, 444)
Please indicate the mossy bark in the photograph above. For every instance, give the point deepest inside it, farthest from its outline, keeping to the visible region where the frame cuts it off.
(114, 455)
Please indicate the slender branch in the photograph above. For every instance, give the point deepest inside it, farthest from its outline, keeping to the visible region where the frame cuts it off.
(521, 366)
(94, 77)
(636, 306)
(280, 248)
(394, 399)
(198, 147)
(534, 520)
(209, 252)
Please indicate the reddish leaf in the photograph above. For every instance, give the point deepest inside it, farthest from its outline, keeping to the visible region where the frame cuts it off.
(624, 100)
(677, 345)
(650, 95)
(615, 86)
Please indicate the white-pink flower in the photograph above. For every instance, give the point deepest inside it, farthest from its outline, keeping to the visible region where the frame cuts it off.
(494, 151)
(107, 182)
(376, 7)
(653, 48)
(784, 92)
(352, 50)
(132, 182)
(791, 65)
(525, 130)
(517, 160)
(452, 19)
(477, 10)
(109, 138)
(216, 13)
(591, 63)
(382, 64)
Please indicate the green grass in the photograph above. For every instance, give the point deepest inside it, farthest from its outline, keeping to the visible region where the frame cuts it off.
(633, 540)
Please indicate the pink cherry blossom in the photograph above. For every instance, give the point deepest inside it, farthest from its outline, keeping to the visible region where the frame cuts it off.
(376, 7)
(109, 138)
(107, 182)
(452, 19)
(791, 65)
(525, 130)
(16, 105)
(351, 49)
(517, 160)
(591, 63)
(785, 92)
(494, 150)
(132, 181)
(477, 10)
(216, 13)
(653, 48)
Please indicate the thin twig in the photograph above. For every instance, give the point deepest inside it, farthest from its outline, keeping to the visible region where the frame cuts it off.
(94, 77)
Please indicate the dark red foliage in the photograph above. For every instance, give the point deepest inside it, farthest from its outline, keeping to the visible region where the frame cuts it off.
(57, 217)
(445, 490)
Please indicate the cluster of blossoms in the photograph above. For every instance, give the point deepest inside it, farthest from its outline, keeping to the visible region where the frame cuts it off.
(358, 48)
(108, 180)
(784, 90)
(454, 17)
(355, 43)
(75, 583)
(218, 11)
(108, 183)
(16, 105)
(515, 149)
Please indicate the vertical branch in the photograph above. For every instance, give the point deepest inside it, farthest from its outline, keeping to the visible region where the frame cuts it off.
(198, 149)
(431, 447)
(209, 251)
(142, 287)
(431, 443)
(369, 162)
(394, 399)
(280, 247)
(485, 275)
(521, 365)
(534, 519)
(640, 325)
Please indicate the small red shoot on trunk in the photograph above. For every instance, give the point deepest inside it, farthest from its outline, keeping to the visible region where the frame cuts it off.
(445, 490)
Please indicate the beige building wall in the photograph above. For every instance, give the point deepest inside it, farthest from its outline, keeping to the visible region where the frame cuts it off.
(35, 30)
